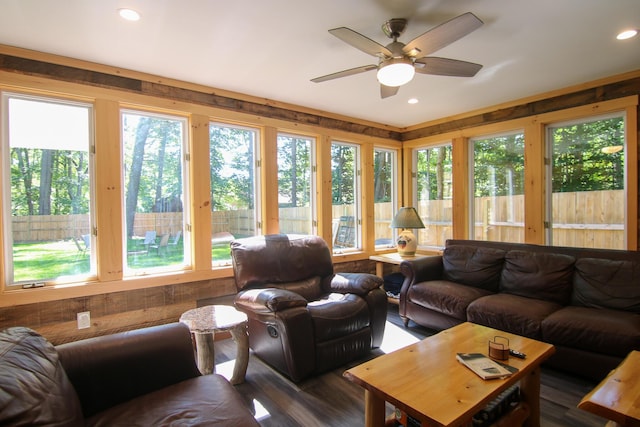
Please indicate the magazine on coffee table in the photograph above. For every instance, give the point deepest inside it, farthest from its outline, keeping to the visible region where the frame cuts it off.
(485, 367)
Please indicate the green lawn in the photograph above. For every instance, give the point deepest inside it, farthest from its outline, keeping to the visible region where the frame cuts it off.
(50, 260)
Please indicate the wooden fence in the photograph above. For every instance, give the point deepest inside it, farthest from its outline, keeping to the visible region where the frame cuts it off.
(584, 219)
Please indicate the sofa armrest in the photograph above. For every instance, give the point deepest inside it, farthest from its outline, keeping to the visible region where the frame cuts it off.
(355, 283)
(268, 300)
(112, 369)
(422, 269)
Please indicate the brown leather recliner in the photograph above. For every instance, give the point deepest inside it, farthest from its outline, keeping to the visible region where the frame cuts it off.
(303, 318)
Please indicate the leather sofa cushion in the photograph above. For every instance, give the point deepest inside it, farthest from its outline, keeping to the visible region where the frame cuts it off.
(473, 266)
(338, 315)
(597, 330)
(445, 297)
(34, 388)
(511, 313)
(212, 401)
(279, 258)
(544, 276)
(604, 283)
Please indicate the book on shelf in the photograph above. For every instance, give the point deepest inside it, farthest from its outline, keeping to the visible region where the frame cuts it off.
(485, 367)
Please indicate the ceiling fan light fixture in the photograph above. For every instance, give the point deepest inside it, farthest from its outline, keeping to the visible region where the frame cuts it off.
(396, 72)
(129, 14)
(627, 34)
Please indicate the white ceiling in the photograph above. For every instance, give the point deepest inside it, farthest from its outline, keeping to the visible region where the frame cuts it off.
(272, 48)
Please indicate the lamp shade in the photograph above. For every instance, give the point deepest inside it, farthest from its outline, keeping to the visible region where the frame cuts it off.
(407, 218)
(395, 72)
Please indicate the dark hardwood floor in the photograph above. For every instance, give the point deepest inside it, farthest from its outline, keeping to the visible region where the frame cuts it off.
(331, 400)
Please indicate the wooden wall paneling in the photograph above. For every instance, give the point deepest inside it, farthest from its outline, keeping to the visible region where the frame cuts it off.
(200, 187)
(323, 188)
(566, 99)
(109, 191)
(269, 181)
(631, 176)
(367, 198)
(406, 174)
(534, 183)
(461, 190)
(71, 73)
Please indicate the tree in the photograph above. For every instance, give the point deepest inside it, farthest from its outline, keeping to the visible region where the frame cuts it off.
(294, 170)
(135, 172)
(343, 174)
(382, 170)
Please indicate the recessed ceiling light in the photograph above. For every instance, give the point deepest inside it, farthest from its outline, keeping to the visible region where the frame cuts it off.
(627, 34)
(413, 101)
(129, 14)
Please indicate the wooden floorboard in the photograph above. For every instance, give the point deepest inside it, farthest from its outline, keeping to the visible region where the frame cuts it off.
(331, 400)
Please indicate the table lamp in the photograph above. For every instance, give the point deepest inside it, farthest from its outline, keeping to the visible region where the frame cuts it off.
(407, 219)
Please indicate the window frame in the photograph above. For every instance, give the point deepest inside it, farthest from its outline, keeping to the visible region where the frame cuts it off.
(471, 174)
(187, 262)
(7, 233)
(394, 195)
(548, 168)
(257, 176)
(313, 203)
(414, 186)
(357, 203)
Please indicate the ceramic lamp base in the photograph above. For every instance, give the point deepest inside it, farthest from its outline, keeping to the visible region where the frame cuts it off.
(407, 243)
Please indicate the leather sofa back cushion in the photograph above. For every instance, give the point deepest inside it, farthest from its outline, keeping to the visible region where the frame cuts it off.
(34, 388)
(473, 266)
(545, 276)
(604, 283)
(279, 259)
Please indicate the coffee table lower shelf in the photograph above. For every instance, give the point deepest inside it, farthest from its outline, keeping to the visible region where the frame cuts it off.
(515, 417)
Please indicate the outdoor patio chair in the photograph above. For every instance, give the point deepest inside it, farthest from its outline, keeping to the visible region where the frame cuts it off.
(164, 242)
(86, 239)
(82, 249)
(149, 238)
(174, 242)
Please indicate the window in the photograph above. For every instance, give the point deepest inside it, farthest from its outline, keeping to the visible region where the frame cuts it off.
(154, 180)
(345, 192)
(586, 183)
(498, 188)
(295, 184)
(384, 195)
(234, 178)
(433, 189)
(47, 184)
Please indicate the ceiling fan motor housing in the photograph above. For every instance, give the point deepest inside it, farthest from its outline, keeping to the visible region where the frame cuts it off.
(393, 28)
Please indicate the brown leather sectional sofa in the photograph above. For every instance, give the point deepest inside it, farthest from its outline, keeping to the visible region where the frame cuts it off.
(146, 377)
(584, 301)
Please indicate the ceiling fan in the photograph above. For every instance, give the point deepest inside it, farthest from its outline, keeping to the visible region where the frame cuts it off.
(398, 62)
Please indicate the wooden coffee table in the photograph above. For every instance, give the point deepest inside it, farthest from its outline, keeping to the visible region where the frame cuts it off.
(617, 397)
(427, 382)
(205, 322)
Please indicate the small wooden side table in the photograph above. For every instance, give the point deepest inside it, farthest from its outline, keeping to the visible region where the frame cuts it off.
(391, 258)
(617, 397)
(205, 322)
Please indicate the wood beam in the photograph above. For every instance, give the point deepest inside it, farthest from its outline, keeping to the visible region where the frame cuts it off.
(33, 67)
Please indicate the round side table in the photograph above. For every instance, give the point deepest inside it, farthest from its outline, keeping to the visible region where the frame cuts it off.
(205, 322)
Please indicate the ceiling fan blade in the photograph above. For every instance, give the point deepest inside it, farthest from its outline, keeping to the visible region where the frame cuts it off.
(446, 67)
(387, 91)
(442, 35)
(360, 42)
(345, 73)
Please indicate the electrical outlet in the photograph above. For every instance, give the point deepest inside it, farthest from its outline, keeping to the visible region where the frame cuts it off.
(84, 320)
